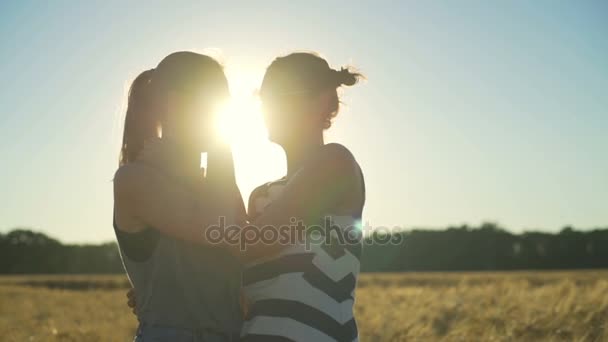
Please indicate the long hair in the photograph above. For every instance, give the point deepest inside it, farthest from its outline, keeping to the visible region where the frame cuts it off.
(140, 123)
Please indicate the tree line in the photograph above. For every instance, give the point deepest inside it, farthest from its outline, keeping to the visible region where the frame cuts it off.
(24, 251)
(487, 247)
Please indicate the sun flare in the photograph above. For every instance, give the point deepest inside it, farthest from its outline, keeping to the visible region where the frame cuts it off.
(239, 122)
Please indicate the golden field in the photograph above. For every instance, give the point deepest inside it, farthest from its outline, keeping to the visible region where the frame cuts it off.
(501, 306)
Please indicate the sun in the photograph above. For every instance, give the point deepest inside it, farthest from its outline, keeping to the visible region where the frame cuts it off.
(240, 123)
(239, 120)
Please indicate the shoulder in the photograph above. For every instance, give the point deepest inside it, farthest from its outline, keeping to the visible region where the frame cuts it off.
(127, 174)
(337, 165)
(337, 151)
(343, 173)
(262, 189)
(336, 158)
(262, 192)
(258, 191)
(133, 177)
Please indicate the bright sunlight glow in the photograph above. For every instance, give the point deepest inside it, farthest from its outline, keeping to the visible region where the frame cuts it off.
(240, 123)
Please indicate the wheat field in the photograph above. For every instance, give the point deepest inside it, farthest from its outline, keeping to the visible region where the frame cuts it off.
(501, 306)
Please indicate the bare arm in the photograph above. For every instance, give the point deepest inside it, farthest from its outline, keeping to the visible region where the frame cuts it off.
(145, 197)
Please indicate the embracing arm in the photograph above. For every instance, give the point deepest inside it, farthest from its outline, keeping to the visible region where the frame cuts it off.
(333, 177)
(146, 196)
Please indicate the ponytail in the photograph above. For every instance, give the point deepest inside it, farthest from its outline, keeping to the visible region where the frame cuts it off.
(345, 76)
(141, 123)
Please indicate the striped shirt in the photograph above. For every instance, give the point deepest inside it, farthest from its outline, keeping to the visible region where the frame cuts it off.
(307, 292)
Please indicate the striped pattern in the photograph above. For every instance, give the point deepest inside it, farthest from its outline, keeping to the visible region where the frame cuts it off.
(302, 294)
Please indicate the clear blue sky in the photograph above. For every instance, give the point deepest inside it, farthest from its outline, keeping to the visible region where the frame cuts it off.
(473, 110)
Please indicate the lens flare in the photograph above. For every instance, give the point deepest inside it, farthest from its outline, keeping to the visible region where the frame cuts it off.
(239, 122)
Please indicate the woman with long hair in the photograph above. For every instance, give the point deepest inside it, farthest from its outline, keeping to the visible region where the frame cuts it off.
(187, 288)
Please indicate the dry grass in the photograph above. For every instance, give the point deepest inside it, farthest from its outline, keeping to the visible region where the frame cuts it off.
(522, 306)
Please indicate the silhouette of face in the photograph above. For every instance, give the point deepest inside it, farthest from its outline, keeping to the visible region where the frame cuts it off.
(290, 112)
(192, 119)
(191, 87)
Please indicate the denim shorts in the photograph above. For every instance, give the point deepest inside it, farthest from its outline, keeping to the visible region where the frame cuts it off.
(154, 333)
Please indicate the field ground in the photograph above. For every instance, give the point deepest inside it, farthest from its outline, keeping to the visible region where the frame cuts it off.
(507, 306)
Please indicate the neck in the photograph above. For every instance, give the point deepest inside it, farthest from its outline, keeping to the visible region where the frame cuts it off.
(297, 153)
